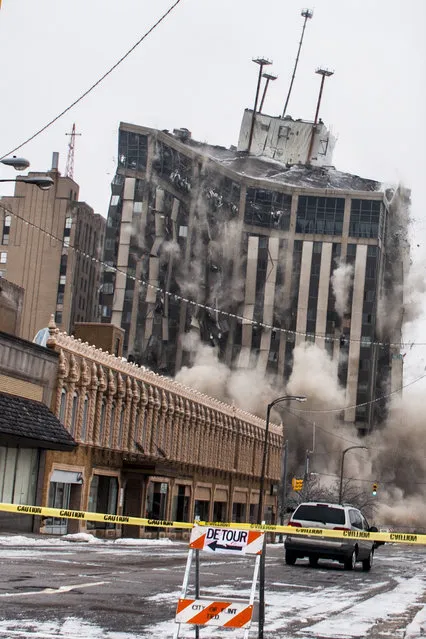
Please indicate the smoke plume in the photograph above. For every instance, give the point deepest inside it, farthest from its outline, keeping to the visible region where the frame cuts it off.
(341, 280)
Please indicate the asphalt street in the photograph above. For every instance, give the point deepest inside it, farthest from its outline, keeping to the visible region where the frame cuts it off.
(119, 591)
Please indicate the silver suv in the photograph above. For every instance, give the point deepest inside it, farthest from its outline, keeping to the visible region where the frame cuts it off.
(346, 550)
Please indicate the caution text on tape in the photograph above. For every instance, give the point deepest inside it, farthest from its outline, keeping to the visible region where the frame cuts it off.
(44, 511)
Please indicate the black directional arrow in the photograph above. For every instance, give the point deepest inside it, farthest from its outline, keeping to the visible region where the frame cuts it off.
(215, 546)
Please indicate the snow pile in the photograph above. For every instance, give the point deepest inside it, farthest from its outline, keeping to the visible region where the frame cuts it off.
(81, 537)
(86, 538)
(140, 542)
(417, 628)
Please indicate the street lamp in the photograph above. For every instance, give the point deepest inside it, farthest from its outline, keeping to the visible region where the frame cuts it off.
(341, 468)
(278, 400)
(43, 183)
(20, 164)
(296, 398)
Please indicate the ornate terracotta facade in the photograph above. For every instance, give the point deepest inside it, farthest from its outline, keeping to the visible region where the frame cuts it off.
(173, 452)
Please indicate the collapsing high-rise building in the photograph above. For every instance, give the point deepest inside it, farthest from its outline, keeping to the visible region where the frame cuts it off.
(257, 248)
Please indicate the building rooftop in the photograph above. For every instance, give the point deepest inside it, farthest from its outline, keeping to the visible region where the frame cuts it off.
(32, 424)
(296, 175)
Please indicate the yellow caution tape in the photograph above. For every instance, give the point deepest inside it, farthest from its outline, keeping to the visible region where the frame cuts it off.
(42, 511)
(87, 516)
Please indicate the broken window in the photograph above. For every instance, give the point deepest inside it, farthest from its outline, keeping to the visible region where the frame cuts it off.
(270, 209)
(132, 150)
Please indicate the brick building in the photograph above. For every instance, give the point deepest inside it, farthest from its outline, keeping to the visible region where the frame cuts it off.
(37, 229)
(148, 446)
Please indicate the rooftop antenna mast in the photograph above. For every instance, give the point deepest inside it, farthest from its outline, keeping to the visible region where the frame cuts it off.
(69, 169)
(307, 14)
(324, 73)
(262, 62)
(268, 77)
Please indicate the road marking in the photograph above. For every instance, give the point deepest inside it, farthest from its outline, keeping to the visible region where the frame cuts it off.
(53, 591)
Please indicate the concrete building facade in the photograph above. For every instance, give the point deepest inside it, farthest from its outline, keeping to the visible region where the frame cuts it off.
(150, 447)
(256, 254)
(47, 242)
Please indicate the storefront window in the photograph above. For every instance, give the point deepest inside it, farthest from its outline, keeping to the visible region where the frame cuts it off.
(201, 509)
(238, 512)
(219, 511)
(18, 474)
(103, 498)
(180, 506)
(156, 500)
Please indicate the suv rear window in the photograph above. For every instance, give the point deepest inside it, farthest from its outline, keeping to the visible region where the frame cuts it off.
(320, 513)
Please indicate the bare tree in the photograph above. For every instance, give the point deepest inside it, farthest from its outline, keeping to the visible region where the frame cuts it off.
(352, 493)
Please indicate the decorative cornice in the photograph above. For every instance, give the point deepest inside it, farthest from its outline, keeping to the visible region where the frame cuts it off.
(60, 340)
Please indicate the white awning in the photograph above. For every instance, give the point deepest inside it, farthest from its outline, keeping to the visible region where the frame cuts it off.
(66, 477)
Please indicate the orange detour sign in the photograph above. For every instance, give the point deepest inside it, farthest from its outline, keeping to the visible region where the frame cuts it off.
(203, 612)
(227, 540)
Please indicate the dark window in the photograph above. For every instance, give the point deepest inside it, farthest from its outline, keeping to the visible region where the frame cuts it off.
(6, 230)
(366, 218)
(270, 209)
(322, 215)
(320, 513)
(132, 151)
(174, 166)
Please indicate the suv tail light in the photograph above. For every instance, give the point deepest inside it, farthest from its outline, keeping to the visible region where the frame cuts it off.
(296, 524)
(340, 528)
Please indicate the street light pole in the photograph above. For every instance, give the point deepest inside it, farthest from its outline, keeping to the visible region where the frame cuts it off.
(43, 183)
(341, 468)
(20, 164)
(297, 398)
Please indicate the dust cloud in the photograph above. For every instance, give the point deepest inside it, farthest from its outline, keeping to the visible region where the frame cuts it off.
(341, 280)
(395, 458)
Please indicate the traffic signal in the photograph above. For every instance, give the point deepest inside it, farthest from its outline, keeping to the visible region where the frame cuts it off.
(374, 489)
(297, 484)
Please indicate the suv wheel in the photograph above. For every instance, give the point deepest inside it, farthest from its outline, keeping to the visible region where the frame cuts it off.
(350, 561)
(290, 558)
(313, 561)
(367, 564)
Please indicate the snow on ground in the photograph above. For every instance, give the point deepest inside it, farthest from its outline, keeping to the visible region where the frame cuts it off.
(335, 613)
(417, 628)
(86, 538)
(69, 628)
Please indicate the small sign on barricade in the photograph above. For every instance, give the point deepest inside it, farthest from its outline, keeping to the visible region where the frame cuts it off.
(203, 611)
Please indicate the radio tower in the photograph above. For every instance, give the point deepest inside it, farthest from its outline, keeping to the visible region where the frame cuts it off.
(69, 169)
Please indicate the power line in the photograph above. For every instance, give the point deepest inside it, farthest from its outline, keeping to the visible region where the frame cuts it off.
(359, 479)
(183, 299)
(372, 401)
(101, 79)
(218, 311)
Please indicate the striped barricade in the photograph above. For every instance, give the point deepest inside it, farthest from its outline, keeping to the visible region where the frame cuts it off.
(205, 612)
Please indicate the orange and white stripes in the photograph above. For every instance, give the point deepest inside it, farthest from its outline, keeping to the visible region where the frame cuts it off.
(202, 612)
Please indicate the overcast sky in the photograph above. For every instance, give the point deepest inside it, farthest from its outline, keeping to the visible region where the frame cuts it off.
(195, 71)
